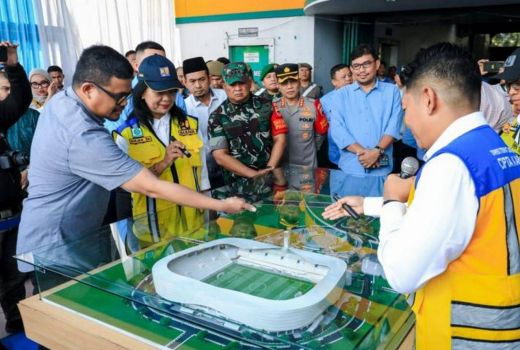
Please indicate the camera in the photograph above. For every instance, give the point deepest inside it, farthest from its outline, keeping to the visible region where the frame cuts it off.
(10, 159)
(13, 159)
(493, 66)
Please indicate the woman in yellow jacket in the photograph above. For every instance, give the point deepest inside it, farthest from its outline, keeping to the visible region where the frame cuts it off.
(163, 138)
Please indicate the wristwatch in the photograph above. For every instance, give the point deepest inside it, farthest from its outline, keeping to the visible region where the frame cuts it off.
(381, 150)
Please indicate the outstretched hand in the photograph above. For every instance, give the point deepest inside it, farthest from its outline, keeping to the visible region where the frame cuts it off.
(235, 205)
(336, 211)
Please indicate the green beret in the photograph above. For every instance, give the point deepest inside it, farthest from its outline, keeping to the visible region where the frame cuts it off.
(270, 68)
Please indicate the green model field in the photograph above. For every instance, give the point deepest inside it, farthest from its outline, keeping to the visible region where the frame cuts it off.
(259, 283)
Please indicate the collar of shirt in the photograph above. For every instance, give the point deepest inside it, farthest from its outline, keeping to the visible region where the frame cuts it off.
(199, 102)
(162, 122)
(457, 128)
(358, 87)
(72, 94)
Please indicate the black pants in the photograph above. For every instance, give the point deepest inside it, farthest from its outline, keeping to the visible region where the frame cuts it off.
(12, 281)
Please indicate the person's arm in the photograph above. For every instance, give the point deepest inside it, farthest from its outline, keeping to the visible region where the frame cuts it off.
(232, 164)
(277, 151)
(339, 130)
(149, 185)
(321, 124)
(17, 102)
(392, 129)
(418, 243)
(279, 130)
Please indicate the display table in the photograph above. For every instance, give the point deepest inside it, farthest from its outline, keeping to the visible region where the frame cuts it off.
(99, 292)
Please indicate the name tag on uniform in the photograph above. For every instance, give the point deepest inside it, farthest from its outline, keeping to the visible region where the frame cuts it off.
(185, 129)
(308, 120)
(187, 132)
(138, 140)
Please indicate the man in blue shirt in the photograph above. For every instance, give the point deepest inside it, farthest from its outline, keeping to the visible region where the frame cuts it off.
(367, 118)
(75, 162)
(340, 75)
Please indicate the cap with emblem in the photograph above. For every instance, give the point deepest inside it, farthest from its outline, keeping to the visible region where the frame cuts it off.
(215, 68)
(158, 73)
(194, 64)
(511, 68)
(270, 68)
(287, 71)
(235, 72)
(305, 65)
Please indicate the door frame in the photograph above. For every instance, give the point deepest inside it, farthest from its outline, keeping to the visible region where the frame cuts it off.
(269, 42)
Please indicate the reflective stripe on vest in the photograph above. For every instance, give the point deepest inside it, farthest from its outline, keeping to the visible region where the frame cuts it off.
(159, 219)
(513, 246)
(475, 303)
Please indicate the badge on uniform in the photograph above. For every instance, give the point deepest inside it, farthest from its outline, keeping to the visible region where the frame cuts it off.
(306, 112)
(137, 132)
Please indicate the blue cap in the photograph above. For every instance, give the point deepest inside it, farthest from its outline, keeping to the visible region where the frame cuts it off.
(158, 73)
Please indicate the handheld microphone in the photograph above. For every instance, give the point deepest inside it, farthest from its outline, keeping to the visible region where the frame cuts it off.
(409, 167)
(347, 208)
(183, 150)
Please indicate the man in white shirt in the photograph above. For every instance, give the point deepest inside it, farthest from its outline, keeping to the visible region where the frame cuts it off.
(456, 245)
(202, 101)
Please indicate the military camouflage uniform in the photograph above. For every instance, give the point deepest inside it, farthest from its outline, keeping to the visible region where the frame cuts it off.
(267, 96)
(245, 130)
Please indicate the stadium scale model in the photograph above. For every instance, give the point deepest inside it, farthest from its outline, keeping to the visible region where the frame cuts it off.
(260, 285)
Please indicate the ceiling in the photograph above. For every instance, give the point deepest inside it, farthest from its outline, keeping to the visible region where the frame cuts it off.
(349, 7)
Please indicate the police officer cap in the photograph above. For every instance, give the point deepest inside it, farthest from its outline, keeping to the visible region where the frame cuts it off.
(286, 71)
(194, 64)
(158, 73)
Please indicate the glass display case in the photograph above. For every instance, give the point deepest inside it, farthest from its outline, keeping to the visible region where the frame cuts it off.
(246, 272)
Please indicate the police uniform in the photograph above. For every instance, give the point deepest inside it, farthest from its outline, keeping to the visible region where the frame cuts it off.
(306, 122)
(307, 129)
(246, 130)
(165, 218)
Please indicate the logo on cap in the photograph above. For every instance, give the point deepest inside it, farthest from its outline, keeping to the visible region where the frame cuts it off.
(510, 61)
(164, 72)
(286, 70)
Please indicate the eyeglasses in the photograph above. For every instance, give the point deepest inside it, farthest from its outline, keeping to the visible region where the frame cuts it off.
(119, 98)
(515, 86)
(357, 66)
(43, 84)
